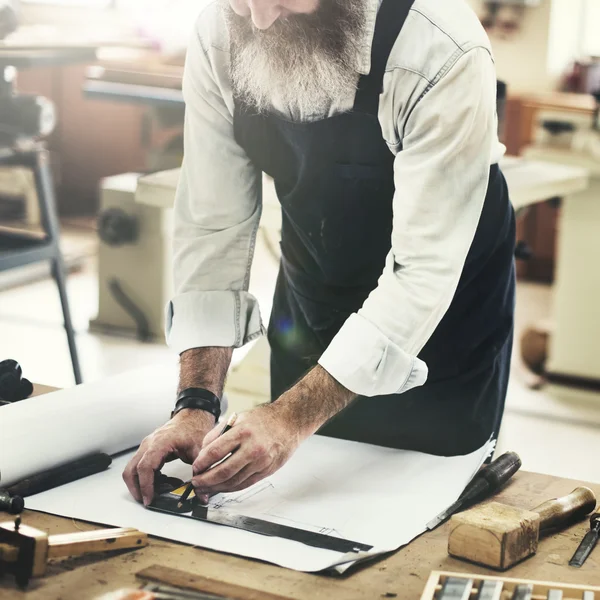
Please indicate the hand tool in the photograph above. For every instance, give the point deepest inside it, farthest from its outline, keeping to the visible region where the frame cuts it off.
(523, 591)
(214, 588)
(456, 588)
(57, 476)
(190, 488)
(169, 505)
(488, 481)
(499, 536)
(24, 551)
(11, 504)
(490, 590)
(588, 544)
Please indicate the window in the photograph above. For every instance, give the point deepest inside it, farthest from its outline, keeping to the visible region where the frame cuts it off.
(590, 38)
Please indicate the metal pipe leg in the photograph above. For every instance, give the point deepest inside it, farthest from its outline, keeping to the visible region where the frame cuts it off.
(58, 272)
(45, 189)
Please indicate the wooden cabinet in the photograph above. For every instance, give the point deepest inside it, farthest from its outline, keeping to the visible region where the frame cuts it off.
(538, 226)
(93, 139)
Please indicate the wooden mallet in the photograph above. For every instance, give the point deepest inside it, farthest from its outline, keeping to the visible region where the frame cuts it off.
(499, 536)
(24, 551)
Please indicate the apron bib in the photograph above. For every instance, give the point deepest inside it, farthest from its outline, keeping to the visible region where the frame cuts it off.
(335, 181)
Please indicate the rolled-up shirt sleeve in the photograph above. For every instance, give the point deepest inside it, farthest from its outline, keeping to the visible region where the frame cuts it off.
(216, 216)
(441, 177)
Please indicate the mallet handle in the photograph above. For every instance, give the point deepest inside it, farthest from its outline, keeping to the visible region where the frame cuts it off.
(560, 511)
(76, 544)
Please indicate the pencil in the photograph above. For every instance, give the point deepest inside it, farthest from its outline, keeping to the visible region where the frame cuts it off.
(190, 488)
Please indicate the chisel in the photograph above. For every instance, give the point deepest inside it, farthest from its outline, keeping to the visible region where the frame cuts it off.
(488, 481)
(523, 592)
(490, 590)
(588, 544)
(456, 589)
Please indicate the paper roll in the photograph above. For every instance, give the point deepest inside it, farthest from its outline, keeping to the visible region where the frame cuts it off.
(109, 416)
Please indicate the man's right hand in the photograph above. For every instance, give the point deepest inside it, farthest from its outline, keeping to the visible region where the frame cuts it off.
(181, 437)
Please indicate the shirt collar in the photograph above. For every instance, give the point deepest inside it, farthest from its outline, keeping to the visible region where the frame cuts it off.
(364, 56)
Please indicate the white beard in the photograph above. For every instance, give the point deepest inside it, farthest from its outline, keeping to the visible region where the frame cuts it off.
(292, 72)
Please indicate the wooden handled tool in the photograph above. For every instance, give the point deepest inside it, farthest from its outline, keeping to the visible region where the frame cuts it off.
(24, 551)
(499, 536)
(486, 482)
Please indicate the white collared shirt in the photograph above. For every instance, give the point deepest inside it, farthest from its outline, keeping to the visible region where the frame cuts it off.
(438, 116)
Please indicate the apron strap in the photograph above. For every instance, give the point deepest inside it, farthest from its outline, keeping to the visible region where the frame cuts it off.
(391, 17)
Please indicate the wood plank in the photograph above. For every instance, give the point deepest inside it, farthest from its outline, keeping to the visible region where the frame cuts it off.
(197, 583)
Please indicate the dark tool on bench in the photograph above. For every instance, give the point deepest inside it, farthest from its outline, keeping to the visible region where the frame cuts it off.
(13, 505)
(53, 478)
(13, 386)
(588, 544)
(488, 481)
(24, 551)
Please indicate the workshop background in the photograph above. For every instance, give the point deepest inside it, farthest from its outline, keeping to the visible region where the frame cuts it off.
(111, 69)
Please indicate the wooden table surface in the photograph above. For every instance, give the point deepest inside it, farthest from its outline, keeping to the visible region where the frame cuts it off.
(402, 574)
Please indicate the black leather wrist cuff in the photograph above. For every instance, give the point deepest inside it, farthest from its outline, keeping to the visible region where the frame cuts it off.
(200, 399)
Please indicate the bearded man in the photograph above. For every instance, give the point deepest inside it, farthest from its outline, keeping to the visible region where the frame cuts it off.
(392, 318)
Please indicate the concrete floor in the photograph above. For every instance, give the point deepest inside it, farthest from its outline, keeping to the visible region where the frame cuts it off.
(555, 431)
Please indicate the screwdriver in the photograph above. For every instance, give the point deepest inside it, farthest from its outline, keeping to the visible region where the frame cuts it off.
(488, 480)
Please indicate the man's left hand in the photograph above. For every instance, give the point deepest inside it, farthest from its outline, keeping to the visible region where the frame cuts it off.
(262, 440)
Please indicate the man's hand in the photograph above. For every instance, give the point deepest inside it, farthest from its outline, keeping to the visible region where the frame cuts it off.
(183, 435)
(263, 440)
(180, 438)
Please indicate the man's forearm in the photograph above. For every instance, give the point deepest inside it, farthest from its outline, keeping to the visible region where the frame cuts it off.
(204, 368)
(314, 400)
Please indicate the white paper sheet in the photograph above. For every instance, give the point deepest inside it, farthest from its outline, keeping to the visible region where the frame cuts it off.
(368, 494)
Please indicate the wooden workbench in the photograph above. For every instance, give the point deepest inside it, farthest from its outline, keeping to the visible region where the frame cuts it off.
(402, 574)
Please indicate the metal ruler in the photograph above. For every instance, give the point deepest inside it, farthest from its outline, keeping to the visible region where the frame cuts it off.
(198, 512)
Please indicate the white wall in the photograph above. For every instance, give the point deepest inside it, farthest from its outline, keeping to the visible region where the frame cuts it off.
(522, 60)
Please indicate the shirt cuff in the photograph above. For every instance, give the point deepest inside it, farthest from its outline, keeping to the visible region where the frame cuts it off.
(207, 319)
(367, 363)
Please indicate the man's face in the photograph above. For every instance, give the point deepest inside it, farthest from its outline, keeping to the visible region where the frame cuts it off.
(265, 12)
(300, 54)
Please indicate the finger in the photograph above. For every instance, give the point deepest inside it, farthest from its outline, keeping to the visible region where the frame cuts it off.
(151, 462)
(229, 484)
(251, 480)
(203, 498)
(130, 475)
(229, 468)
(216, 451)
(212, 435)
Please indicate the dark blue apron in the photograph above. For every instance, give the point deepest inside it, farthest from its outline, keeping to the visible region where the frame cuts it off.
(335, 181)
